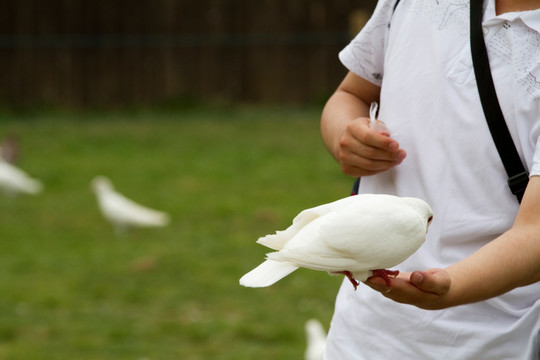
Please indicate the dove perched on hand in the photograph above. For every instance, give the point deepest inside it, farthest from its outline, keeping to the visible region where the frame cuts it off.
(15, 181)
(122, 212)
(316, 340)
(359, 236)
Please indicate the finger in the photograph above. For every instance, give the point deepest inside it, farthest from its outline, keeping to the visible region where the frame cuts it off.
(355, 165)
(372, 152)
(435, 281)
(402, 291)
(378, 284)
(359, 138)
(352, 150)
(361, 131)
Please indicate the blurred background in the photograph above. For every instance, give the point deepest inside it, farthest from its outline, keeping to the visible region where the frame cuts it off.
(207, 110)
(79, 53)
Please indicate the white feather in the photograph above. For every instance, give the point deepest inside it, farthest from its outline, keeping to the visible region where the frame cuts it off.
(122, 212)
(268, 273)
(280, 238)
(14, 180)
(357, 234)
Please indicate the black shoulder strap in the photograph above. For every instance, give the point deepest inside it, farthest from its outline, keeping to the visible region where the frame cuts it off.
(395, 6)
(518, 177)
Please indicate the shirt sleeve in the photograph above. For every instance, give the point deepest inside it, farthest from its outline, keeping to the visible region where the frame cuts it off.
(535, 168)
(364, 55)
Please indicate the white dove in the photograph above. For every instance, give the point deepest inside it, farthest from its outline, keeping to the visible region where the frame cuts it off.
(14, 180)
(122, 212)
(359, 236)
(316, 340)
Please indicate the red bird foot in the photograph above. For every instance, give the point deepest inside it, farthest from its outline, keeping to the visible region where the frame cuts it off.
(385, 274)
(349, 276)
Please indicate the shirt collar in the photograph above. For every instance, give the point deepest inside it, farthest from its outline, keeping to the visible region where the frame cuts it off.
(489, 10)
(530, 18)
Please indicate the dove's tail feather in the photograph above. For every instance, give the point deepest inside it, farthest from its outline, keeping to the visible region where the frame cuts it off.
(267, 273)
(33, 186)
(278, 240)
(157, 219)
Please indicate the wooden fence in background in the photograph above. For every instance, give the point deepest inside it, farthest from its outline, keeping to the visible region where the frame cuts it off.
(116, 53)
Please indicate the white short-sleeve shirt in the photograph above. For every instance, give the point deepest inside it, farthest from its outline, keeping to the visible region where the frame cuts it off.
(420, 56)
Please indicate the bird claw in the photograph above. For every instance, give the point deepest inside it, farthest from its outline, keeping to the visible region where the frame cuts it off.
(349, 276)
(385, 274)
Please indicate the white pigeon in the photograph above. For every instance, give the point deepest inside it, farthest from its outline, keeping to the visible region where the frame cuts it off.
(316, 340)
(122, 212)
(359, 236)
(15, 181)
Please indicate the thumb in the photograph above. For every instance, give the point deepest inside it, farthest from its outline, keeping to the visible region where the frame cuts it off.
(436, 281)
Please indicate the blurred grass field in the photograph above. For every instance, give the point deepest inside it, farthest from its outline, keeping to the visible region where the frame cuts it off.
(71, 289)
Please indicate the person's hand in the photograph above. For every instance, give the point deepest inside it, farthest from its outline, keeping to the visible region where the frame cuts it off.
(424, 289)
(363, 151)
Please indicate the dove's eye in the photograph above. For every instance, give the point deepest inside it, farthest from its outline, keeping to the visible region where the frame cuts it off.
(430, 219)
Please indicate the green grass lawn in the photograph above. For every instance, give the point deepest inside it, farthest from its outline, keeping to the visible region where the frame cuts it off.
(71, 289)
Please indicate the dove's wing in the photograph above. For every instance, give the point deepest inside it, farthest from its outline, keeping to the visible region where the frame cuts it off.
(297, 236)
(308, 249)
(357, 238)
(278, 266)
(381, 238)
(278, 240)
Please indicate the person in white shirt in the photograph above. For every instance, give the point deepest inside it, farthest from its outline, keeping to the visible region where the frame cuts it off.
(472, 291)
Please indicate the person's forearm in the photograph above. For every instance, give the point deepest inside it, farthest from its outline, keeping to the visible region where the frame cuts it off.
(506, 263)
(510, 261)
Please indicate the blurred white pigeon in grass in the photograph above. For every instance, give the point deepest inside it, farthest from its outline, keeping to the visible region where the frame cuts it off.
(15, 181)
(122, 212)
(359, 236)
(316, 340)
